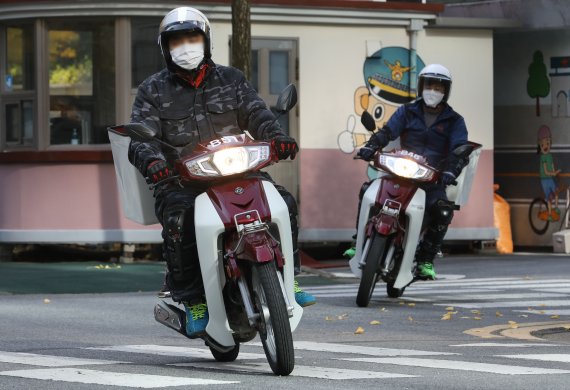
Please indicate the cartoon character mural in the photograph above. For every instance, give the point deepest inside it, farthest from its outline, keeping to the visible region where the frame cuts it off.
(387, 85)
(548, 174)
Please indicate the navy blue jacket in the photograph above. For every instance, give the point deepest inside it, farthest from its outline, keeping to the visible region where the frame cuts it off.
(434, 143)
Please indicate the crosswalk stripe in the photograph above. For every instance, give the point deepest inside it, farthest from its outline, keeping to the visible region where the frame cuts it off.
(49, 360)
(167, 350)
(552, 357)
(362, 350)
(144, 381)
(505, 345)
(302, 371)
(554, 312)
(461, 365)
(481, 297)
(484, 305)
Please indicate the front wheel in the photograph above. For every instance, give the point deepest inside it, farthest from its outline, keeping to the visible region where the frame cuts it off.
(370, 271)
(229, 356)
(274, 327)
(538, 216)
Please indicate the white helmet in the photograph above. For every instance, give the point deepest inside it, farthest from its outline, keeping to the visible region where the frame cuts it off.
(186, 19)
(436, 72)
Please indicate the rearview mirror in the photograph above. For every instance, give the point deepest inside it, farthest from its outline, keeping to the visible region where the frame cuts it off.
(367, 121)
(140, 131)
(287, 99)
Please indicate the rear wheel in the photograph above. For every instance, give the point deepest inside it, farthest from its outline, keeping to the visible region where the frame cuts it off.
(370, 270)
(275, 330)
(229, 356)
(538, 216)
(394, 292)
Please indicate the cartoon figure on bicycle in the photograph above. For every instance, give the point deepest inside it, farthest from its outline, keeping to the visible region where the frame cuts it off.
(548, 174)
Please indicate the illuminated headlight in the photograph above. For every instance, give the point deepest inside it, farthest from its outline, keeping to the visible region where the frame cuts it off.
(406, 168)
(229, 161)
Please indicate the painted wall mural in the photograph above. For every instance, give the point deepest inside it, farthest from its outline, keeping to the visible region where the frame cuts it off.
(389, 81)
(537, 85)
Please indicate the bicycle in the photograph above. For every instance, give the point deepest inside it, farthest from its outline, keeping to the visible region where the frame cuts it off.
(540, 219)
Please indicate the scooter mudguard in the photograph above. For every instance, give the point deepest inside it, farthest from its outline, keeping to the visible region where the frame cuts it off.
(209, 226)
(415, 213)
(368, 201)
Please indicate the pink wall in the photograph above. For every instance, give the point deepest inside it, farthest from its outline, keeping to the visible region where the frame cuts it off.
(331, 180)
(61, 196)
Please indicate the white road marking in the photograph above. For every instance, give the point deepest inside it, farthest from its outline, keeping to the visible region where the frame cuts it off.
(493, 297)
(33, 359)
(361, 350)
(506, 345)
(79, 375)
(166, 350)
(553, 357)
(538, 310)
(380, 289)
(462, 366)
(559, 290)
(304, 371)
(484, 305)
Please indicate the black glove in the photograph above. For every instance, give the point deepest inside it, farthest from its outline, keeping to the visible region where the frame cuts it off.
(447, 178)
(377, 141)
(158, 170)
(285, 147)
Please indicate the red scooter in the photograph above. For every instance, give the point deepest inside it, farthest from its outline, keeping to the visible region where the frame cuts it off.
(391, 216)
(245, 246)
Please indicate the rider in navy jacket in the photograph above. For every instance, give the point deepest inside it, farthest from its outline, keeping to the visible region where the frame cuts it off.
(431, 128)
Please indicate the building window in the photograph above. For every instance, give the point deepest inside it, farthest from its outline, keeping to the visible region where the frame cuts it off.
(146, 57)
(81, 75)
(20, 58)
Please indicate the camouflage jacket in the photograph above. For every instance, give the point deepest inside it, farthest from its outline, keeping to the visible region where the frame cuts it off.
(183, 116)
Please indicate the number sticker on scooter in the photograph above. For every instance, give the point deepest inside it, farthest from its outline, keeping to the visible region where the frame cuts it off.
(223, 140)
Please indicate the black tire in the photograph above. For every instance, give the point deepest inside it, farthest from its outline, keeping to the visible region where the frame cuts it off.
(394, 292)
(275, 332)
(537, 225)
(370, 270)
(229, 356)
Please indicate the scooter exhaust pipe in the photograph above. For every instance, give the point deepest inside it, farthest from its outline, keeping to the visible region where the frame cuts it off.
(170, 316)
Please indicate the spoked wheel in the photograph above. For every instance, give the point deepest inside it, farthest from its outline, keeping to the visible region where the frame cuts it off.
(538, 216)
(274, 327)
(229, 356)
(370, 270)
(394, 292)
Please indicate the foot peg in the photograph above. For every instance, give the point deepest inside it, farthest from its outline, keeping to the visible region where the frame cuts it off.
(170, 316)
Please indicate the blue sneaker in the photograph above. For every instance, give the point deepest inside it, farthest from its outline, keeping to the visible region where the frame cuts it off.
(303, 298)
(196, 319)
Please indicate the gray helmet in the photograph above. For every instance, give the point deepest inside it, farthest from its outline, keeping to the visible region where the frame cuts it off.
(184, 19)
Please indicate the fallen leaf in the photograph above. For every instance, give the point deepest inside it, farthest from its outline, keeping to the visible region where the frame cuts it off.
(554, 317)
(527, 278)
(402, 303)
(359, 330)
(475, 312)
(329, 318)
(343, 316)
(498, 314)
(466, 318)
(523, 316)
(410, 318)
(446, 317)
(542, 304)
(47, 301)
(513, 325)
(383, 309)
(477, 318)
(541, 312)
(450, 308)
(375, 322)
(411, 304)
(530, 309)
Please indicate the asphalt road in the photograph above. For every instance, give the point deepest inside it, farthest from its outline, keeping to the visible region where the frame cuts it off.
(111, 341)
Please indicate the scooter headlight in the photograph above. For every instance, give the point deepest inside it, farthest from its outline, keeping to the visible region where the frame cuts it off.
(407, 168)
(229, 161)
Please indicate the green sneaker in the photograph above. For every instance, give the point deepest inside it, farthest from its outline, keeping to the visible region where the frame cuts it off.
(350, 252)
(425, 271)
(196, 319)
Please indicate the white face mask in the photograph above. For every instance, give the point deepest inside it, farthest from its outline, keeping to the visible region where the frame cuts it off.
(432, 97)
(188, 55)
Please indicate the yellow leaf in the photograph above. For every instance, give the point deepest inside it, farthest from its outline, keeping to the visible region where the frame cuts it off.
(411, 304)
(446, 317)
(329, 318)
(541, 312)
(477, 318)
(410, 318)
(554, 317)
(359, 330)
(498, 314)
(343, 316)
(375, 322)
(513, 326)
(450, 308)
(47, 300)
(402, 303)
(530, 309)
(475, 312)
